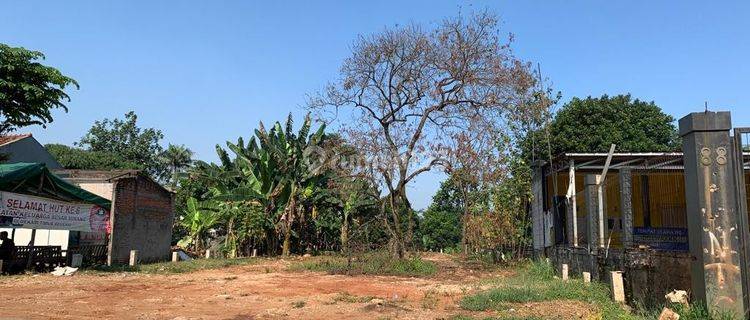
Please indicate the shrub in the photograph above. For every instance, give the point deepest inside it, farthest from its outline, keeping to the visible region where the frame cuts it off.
(370, 264)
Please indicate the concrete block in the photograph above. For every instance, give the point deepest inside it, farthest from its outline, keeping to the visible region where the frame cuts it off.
(587, 277)
(175, 256)
(76, 260)
(133, 258)
(618, 288)
(564, 270)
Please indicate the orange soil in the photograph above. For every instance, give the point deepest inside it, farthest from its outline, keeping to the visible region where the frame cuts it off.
(266, 290)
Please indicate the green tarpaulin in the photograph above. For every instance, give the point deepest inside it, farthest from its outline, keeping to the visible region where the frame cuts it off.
(35, 179)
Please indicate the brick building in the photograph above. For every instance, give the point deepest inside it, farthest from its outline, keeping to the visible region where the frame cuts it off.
(142, 212)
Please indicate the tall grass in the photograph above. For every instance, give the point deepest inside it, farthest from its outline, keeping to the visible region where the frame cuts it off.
(370, 264)
(176, 267)
(536, 282)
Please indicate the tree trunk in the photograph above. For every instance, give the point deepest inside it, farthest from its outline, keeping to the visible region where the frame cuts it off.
(285, 251)
(345, 233)
(465, 219)
(398, 236)
(291, 208)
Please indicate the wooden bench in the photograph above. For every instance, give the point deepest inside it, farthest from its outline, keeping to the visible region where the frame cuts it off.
(40, 258)
(92, 254)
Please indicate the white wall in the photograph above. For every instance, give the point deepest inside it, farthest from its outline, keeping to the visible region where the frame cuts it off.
(43, 237)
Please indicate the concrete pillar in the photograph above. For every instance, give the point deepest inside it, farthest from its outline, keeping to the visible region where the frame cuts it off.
(592, 210)
(718, 267)
(76, 260)
(208, 253)
(175, 256)
(564, 270)
(586, 277)
(255, 253)
(626, 206)
(537, 206)
(618, 287)
(133, 258)
(572, 206)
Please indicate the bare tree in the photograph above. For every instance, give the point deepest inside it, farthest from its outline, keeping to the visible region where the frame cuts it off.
(409, 93)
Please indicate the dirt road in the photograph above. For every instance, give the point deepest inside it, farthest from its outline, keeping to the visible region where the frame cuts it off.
(266, 290)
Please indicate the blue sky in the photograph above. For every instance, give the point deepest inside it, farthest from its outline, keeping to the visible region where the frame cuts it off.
(205, 72)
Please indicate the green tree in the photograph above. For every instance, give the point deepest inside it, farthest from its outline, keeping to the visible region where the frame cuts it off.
(442, 223)
(440, 229)
(197, 219)
(29, 90)
(129, 142)
(410, 91)
(301, 170)
(176, 159)
(277, 170)
(594, 124)
(77, 158)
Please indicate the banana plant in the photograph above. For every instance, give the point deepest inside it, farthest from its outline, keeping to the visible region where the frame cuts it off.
(198, 219)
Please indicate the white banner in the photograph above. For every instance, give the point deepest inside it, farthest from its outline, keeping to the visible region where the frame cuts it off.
(24, 211)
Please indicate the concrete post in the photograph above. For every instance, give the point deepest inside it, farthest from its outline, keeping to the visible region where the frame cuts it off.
(572, 205)
(564, 270)
(133, 258)
(208, 253)
(618, 288)
(76, 260)
(586, 277)
(175, 256)
(592, 210)
(1, 266)
(570, 228)
(717, 270)
(255, 253)
(626, 206)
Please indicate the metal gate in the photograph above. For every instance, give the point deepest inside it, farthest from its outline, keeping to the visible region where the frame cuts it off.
(742, 175)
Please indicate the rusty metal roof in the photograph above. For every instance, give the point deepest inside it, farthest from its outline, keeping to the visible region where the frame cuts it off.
(8, 139)
(636, 161)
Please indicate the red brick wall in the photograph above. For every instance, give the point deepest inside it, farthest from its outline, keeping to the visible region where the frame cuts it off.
(142, 220)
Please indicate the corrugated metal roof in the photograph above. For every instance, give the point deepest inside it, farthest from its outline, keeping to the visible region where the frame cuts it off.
(8, 139)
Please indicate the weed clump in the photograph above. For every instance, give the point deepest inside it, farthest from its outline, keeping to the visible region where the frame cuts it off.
(370, 264)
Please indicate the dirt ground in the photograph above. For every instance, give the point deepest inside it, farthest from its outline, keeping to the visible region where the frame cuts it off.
(266, 290)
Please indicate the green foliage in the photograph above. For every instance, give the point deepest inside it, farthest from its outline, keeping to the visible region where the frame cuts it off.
(440, 229)
(270, 187)
(127, 141)
(29, 90)
(197, 220)
(593, 124)
(176, 159)
(536, 282)
(370, 264)
(350, 298)
(77, 158)
(462, 317)
(448, 198)
(178, 267)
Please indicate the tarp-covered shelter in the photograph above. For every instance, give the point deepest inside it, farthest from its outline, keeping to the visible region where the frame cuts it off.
(35, 179)
(42, 212)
